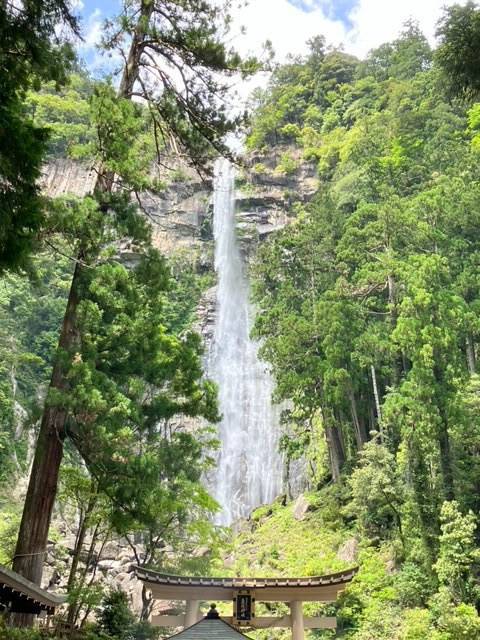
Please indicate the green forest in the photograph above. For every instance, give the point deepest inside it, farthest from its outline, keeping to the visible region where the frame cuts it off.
(367, 312)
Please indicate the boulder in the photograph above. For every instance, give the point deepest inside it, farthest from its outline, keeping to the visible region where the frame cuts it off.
(300, 508)
(349, 550)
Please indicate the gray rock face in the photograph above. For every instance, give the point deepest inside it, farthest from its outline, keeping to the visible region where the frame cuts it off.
(61, 177)
(267, 197)
(182, 214)
(179, 214)
(300, 508)
(349, 550)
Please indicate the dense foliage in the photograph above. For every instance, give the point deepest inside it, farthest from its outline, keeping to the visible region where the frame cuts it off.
(31, 51)
(369, 304)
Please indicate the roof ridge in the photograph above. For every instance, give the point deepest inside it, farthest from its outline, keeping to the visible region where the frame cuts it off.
(212, 579)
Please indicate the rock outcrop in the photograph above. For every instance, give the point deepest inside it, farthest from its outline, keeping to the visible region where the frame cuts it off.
(268, 194)
(178, 214)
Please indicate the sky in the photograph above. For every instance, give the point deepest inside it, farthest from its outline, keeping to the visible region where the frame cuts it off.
(358, 25)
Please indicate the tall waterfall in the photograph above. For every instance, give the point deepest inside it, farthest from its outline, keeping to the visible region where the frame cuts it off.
(249, 470)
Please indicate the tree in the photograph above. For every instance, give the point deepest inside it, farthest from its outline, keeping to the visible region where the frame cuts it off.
(115, 616)
(30, 52)
(377, 492)
(457, 564)
(183, 38)
(458, 53)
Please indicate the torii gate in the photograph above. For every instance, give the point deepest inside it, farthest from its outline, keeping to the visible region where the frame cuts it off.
(243, 593)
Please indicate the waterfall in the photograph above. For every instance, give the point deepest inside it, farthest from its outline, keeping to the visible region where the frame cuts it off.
(249, 467)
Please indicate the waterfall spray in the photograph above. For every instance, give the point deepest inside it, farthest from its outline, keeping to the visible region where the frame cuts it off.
(249, 469)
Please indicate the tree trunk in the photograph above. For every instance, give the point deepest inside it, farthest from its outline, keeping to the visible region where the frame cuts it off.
(336, 452)
(130, 73)
(377, 402)
(471, 359)
(360, 433)
(80, 541)
(392, 301)
(91, 554)
(443, 436)
(446, 460)
(426, 500)
(42, 488)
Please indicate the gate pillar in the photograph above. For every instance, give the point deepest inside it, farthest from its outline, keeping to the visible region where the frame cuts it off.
(191, 614)
(296, 613)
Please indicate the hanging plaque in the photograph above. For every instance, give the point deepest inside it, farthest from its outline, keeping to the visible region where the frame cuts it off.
(243, 607)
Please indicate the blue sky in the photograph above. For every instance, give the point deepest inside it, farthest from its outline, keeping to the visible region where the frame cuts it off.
(92, 14)
(107, 6)
(333, 9)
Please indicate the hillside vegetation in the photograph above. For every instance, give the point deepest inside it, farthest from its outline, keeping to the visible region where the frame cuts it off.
(369, 315)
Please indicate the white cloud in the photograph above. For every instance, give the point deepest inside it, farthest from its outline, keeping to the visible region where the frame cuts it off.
(378, 21)
(373, 22)
(287, 27)
(93, 29)
(76, 5)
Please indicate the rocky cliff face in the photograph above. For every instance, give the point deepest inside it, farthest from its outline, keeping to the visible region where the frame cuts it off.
(268, 190)
(178, 214)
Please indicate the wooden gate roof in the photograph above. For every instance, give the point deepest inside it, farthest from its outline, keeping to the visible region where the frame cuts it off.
(312, 588)
(21, 595)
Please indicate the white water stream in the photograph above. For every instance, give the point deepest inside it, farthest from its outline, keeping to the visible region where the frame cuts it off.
(249, 470)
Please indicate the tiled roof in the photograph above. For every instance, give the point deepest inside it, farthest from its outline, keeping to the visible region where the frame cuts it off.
(165, 579)
(13, 583)
(210, 629)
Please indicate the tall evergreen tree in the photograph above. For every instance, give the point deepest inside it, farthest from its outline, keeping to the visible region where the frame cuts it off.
(176, 61)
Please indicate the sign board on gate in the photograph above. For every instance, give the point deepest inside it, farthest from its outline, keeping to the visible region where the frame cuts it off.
(243, 607)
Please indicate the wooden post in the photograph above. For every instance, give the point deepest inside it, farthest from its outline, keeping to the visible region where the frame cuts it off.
(191, 614)
(296, 612)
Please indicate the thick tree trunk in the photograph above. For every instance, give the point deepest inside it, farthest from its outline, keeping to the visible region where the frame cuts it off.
(42, 487)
